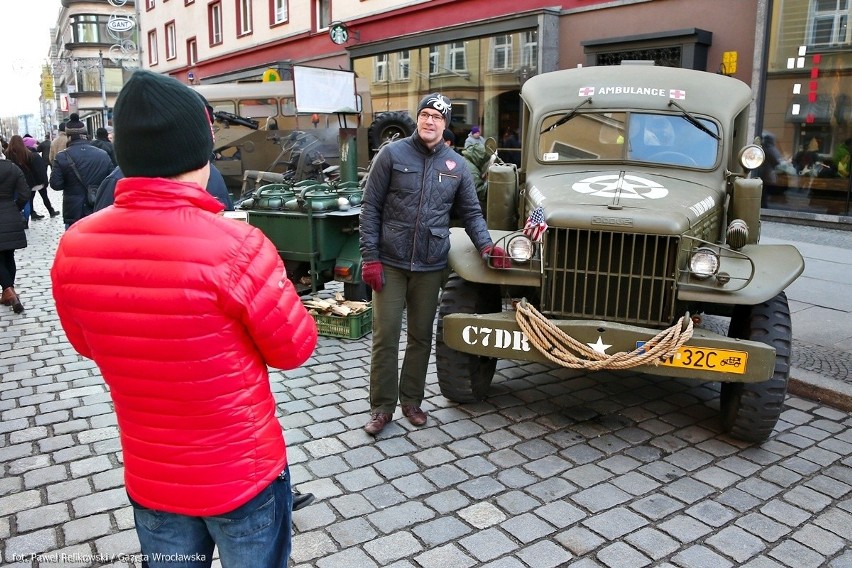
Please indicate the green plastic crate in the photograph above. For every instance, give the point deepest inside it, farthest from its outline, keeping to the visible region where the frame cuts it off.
(346, 327)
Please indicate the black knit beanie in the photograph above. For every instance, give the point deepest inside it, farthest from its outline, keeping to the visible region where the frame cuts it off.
(439, 102)
(75, 129)
(161, 127)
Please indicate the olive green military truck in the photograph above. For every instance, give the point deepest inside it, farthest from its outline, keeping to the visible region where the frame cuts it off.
(631, 218)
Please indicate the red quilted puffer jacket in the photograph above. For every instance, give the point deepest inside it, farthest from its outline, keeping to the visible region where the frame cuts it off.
(182, 310)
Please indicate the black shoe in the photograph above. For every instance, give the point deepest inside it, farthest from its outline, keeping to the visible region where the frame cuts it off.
(35, 216)
(54, 213)
(301, 500)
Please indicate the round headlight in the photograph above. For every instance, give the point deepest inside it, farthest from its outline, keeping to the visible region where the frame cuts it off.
(752, 156)
(704, 263)
(520, 249)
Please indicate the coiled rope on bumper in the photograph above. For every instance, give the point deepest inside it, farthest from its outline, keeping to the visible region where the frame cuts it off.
(557, 345)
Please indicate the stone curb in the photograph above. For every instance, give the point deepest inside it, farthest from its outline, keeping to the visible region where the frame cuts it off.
(813, 386)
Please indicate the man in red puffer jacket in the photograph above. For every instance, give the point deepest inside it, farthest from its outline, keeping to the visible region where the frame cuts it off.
(183, 310)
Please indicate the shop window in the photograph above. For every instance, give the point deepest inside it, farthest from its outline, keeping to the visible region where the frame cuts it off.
(680, 48)
(829, 22)
(501, 53)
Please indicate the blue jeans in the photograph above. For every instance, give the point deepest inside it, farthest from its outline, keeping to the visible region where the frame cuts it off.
(255, 534)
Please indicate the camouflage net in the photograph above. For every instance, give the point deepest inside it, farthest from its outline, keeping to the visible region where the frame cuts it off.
(557, 345)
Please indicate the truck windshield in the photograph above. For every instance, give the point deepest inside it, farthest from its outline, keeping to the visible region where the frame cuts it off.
(665, 139)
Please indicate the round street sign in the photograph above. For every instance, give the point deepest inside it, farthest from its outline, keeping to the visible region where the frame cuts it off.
(338, 33)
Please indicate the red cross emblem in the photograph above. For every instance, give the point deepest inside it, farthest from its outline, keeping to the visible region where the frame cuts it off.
(677, 94)
(587, 91)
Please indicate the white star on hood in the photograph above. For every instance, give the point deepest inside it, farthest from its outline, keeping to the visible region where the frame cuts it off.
(600, 346)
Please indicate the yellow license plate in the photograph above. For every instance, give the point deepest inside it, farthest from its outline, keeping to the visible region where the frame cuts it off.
(707, 359)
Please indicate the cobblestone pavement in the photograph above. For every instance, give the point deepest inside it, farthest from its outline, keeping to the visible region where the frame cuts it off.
(555, 468)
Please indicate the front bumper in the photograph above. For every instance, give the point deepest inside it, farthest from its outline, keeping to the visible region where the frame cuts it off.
(498, 335)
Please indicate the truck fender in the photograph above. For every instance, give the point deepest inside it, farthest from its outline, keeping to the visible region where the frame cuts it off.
(776, 267)
(466, 261)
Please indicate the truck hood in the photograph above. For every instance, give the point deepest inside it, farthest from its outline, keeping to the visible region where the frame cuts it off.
(624, 199)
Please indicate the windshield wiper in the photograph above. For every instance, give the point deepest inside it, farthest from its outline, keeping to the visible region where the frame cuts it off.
(568, 116)
(694, 121)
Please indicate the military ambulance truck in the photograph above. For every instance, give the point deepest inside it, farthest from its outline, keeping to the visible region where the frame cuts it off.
(631, 218)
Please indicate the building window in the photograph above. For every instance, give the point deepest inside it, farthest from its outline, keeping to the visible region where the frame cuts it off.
(434, 59)
(243, 17)
(214, 23)
(380, 70)
(323, 14)
(456, 56)
(191, 51)
(501, 53)
(149, 4)
(404, 65)
(152, 47)
(171, 41)
(829, 22)
(529, 49)
(188, 2)
(279, 11)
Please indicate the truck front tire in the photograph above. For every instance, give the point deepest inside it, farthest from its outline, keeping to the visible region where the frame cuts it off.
(751, 410)
(464, 377)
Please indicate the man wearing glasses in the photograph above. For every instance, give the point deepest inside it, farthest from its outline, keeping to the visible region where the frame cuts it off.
(414, 184)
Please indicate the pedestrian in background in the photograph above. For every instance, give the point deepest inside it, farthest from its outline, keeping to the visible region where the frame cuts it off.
(35, 172)
(413, 185)
(477, 161)
(475, 137)
(449, 138)
(59, 144)
(40, 182)
(77, 168)
(183, 311)
(102, 141)
(14, 194)
(44, 149)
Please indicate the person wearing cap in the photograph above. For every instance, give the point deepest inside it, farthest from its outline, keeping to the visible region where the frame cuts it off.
(77, 168)
(183, 311)
(413, 185)
(449, 138)
(102, 141)
(475, 137)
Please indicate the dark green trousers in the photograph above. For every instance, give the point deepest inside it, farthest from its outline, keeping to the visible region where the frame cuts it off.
(415, 294)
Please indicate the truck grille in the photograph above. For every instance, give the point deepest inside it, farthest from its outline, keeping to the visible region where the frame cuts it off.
(627, 278)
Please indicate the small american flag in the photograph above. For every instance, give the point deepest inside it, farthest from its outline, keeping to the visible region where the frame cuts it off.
(535, 225)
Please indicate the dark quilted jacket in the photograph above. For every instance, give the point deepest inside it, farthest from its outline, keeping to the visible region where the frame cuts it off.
(92, 163)
(405, 213)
